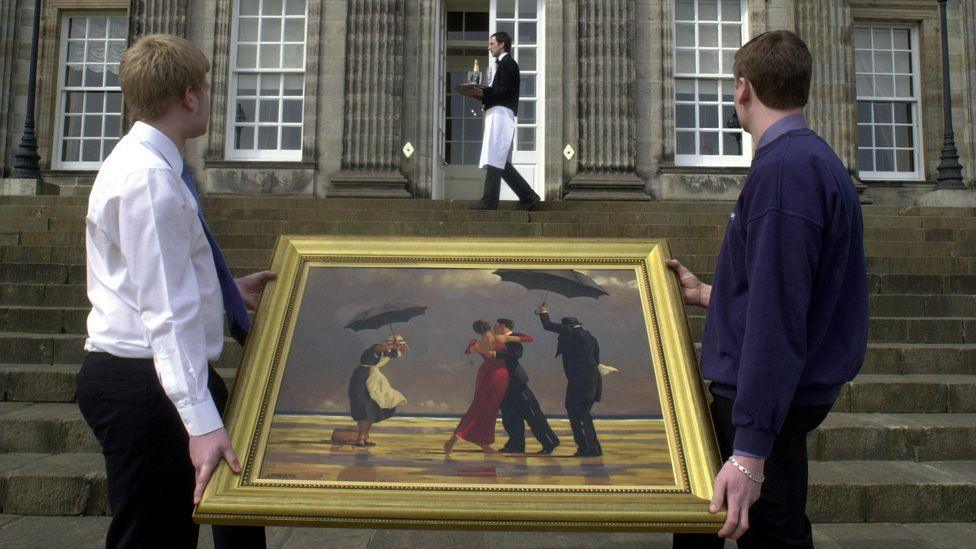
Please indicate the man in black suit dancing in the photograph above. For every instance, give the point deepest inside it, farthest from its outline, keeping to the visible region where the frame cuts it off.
(520, 405)
(581, 358)
(500, 100)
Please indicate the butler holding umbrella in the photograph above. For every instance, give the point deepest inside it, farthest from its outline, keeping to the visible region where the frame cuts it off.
(578, 348)
(500, 100)
(371, 397)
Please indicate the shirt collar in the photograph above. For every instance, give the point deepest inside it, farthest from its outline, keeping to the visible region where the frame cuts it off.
(501, 56)
(781, 126)
(161, 143)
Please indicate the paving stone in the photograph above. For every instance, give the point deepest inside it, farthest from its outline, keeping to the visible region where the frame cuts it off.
(74, 532)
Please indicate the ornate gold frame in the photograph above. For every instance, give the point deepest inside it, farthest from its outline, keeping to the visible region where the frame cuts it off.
(246, 499)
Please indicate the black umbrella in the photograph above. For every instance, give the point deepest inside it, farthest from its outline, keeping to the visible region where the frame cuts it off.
(386, 314)
(566, 282)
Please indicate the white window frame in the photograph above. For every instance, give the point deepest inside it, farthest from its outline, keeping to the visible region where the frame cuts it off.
(58, 145)
(700, 160)
(231, 152)
(915, 101)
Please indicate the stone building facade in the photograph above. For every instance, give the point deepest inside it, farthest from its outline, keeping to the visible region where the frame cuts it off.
(622, 99)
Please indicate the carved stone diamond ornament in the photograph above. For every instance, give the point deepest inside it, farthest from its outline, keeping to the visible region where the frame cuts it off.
(569, 152)
(408, 150)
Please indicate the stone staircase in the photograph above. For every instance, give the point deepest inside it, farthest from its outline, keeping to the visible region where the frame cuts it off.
(900, 446)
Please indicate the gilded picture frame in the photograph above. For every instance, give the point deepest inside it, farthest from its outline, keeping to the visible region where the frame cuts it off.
(288, 394)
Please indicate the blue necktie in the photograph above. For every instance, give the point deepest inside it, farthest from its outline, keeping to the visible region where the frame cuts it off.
(240, 325)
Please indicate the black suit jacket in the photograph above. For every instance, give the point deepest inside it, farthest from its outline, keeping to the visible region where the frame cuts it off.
(504, 88)
(511, 355)
(581, 356)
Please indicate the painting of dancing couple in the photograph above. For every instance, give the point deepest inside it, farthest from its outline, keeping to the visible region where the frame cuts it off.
(456, 375)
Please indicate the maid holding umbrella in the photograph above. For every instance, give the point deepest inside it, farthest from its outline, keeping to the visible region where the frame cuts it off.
(371, 397)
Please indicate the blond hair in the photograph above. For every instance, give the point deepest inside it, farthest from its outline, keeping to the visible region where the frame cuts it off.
(155, 72)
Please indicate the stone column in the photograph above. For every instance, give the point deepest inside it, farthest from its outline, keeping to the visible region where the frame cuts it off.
(420, 93)
(827, 28)
(8, 62)
(371, 142)
(607, 113)
(157, 16)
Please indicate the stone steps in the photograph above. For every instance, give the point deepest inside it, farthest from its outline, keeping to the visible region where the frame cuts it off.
(840, 491)
(28, 348)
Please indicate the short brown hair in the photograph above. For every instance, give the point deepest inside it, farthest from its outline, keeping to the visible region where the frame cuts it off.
(780, 67)
(156, 70)
(504, 39)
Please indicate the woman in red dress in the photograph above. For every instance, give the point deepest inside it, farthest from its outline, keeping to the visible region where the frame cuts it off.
(478, 423)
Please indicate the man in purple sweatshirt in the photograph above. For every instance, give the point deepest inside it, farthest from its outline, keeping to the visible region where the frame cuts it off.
(787, 315)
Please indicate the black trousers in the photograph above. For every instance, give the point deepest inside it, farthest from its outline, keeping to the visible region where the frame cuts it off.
(778, 519)
(493, 186)
(147, 457)
(520, 407)
(579, 409)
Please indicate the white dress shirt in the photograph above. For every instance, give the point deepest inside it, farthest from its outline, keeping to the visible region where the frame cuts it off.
(496, 145)
(151, 277)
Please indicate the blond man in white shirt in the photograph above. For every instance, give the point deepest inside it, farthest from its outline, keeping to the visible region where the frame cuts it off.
(157, 319)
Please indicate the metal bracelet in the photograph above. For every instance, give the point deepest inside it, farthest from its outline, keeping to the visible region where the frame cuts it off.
(746, 472)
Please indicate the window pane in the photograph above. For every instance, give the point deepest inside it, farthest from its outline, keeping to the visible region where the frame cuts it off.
(114, 52)
(247, 30)
(862, 39)
(244, 137)
(708, 116)
(94, 102)
(708, 36)
(295, 56)
(476, 23)
(249, 7)
(268, 138)
(728, 59)
(708, 62)
(113, 126)
(294, 85)
(112, 75)
(906, 161)
(684, 90)
(72, 126)
(684, 35)
(527, 88)
(294, 30)
(684, 61)
(732, 144)
(505, 9)
(903, 137)
(709, 143)
(526, 114)
(247, 57)
(728, 91)
(685, 143)
(863, 61)
(270, 56)
(903, 86)
(97, 27)
(527, 9)
(903, 62)
(75, 102)
(882, 39)
(245, 111)
(883, 62)
(94, 76)
(884, 86)
(117, 27)
(72, 75)
(865, 135)
(472, 131)
(684, 10)
(91, 150)
(865, 160)
(270, 84)
(728, 113)
(295, 7)
(526, 33)
(685, 116)
(903, 113)
(271, 7)
(113, 102)
(865, 86)
(93, 126)
(291, 138)
(707, 10)
(506, 26)
(708, 90)
(472, 153)
(77, 26)
(526, 59)
(901, 39)
(268, 111)
(882, 113)
(455, 25)
(885, 159)
(292, 110)
(731, 36)
(71, 150)
(731, 10)
(107, 147)
(95, 53)
(76, 51)
(882, 136)
(270, 30)
(526, 139)
(247, 85)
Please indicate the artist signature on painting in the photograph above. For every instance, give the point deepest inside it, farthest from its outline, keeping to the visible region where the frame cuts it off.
(282, 476)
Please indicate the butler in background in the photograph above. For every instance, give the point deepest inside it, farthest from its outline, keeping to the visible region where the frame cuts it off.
(500, 99)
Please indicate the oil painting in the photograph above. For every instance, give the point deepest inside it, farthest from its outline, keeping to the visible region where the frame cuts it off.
(521, 370)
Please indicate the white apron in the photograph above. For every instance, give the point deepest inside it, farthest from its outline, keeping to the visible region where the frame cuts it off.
(499, 137)
(379, 388)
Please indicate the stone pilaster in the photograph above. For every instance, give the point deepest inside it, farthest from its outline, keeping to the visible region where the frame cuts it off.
(607, 113)
(8, 61)
(826, 27)
(157, 16)
(371, 144)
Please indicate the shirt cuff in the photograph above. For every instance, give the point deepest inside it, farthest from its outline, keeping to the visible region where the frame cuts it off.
(753, 442)
(746, 454)
(201, 418)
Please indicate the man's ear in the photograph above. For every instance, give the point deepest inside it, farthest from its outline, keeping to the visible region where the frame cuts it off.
(745, 90)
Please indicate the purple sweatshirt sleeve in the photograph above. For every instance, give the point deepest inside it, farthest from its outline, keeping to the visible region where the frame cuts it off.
(782, 251)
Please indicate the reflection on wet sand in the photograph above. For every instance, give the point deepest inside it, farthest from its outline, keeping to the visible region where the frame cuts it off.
(408, 449)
